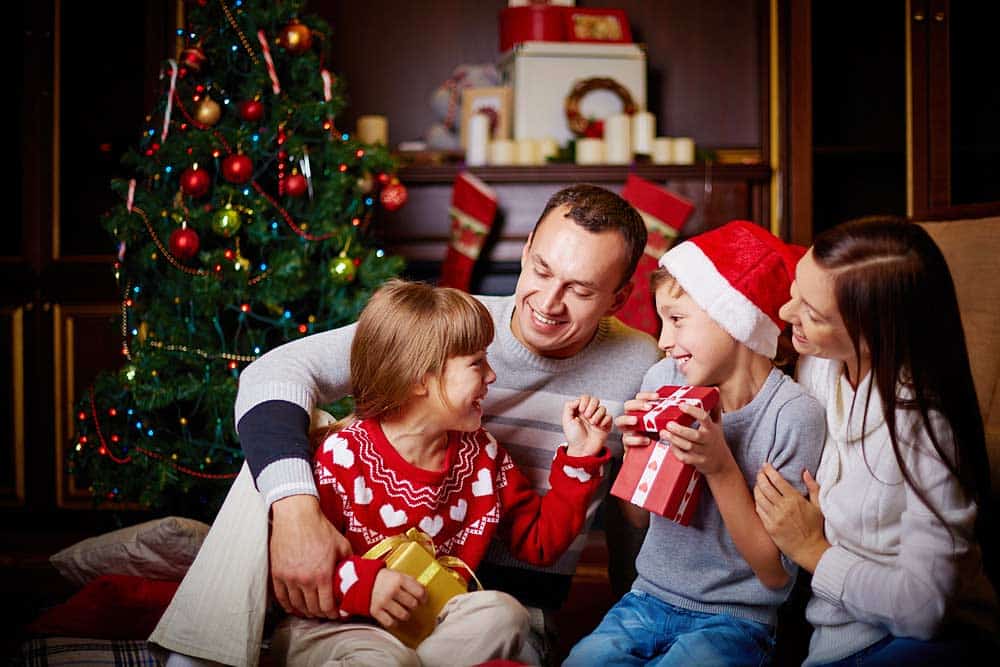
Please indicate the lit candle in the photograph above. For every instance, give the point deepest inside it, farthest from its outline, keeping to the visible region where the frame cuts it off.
(478, 140)
(684, 150)
(618, 143)
(502, 152)
(643, 131)
(373, 130)
(663, 150)
(527, 152)
(589, 151)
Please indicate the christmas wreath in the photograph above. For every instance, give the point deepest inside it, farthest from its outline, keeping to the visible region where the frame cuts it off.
(585, 127)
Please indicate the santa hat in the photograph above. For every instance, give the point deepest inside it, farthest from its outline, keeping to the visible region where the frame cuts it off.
(740, 274)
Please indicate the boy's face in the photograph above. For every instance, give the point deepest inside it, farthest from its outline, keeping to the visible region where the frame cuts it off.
(569, 280)
(702, 350)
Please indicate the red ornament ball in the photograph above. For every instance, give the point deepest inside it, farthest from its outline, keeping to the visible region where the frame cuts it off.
(237, 168)
(251, 110)
(295, 37)
(184, 243)
(384, 178)
(195, 182)
(393, 197)
(296, 185)
(193, 58)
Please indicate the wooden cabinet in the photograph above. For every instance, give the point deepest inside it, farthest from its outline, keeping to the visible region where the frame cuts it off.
(888, 111)
(58, 300)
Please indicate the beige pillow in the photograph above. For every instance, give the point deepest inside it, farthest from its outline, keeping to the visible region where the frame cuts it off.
(159, 549)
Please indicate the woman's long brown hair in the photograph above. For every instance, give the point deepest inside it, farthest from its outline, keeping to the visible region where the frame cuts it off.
(895, 293)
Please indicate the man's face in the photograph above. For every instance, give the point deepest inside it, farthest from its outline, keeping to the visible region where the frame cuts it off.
(569, 281)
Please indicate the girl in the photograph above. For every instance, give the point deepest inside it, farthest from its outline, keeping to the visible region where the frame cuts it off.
(889, 529)
(416, 456)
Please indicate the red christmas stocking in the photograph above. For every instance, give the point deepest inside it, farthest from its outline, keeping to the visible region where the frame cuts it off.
(473, 207)
(664, 214)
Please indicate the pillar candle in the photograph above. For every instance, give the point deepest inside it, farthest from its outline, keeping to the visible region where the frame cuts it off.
(478, 140)
(502, 152)
(617, 142)
(373, 130)
(589, 151)
(547, 148)
(526, 152)
(663, 150)
(643, 131)
(684, 150)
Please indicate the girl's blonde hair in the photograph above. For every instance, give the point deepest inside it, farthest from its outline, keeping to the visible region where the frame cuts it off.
(406, 331)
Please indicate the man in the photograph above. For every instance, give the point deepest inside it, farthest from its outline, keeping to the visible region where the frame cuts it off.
(555, 339)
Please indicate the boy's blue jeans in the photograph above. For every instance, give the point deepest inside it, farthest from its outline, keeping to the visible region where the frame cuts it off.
(644, 630)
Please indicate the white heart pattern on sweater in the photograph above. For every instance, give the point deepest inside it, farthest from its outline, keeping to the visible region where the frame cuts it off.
(348, 577)
(432, 525)
(483, 486)
(342, 454)
(458, 510)
(362, 494)
(577, 473)
(391, 516)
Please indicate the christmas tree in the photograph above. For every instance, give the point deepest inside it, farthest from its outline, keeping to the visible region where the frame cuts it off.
(246, 225)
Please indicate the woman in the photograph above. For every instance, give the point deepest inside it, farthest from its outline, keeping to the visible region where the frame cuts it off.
(890, 527)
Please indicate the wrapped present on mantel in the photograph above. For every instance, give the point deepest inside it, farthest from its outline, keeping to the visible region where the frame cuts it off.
(413, 553)
(652, 477)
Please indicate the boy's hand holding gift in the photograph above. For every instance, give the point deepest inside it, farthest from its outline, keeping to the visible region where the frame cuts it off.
(586, 424)
(658, 476)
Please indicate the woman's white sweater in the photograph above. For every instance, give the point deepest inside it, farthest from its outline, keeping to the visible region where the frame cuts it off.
(894, 568)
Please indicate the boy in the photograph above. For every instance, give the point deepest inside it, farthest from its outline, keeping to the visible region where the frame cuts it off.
(708, 593)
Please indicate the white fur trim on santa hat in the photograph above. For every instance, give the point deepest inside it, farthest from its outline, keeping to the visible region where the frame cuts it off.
(725, 304)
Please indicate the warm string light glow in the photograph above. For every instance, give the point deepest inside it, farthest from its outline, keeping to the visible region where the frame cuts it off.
(104, 450)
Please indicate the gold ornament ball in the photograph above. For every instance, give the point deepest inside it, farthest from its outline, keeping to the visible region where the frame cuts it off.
(342, 270)
(226, 222)
(208, 112)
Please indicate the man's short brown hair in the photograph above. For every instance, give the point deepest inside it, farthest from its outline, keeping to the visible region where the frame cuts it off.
(596, 210)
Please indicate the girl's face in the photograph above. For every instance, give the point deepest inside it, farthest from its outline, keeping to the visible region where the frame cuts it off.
(817, 327)
(702, 350)
(464, 384)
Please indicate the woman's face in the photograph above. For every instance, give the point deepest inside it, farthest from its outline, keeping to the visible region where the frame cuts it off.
(817, 327)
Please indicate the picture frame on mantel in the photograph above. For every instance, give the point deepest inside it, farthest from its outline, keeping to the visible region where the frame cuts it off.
(604, 26)
(495, 102)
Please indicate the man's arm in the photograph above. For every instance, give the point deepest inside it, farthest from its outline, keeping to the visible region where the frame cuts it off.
(276, 396)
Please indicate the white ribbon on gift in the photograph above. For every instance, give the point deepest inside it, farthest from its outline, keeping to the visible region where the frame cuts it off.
(676, 398)
(645, 484)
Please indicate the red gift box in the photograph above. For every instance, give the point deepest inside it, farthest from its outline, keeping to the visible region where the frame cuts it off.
(652, 477)
(531, 23)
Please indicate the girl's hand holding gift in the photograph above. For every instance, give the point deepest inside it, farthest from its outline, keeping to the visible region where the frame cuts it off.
(586, 424)
(393, 597)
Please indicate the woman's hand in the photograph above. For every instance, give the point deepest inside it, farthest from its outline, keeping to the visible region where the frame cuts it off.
(628, 424)
(704, 447)
(793, 522)
(586, 424)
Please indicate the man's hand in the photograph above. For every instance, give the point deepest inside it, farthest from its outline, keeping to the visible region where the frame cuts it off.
(394, 596)
(305, 548)
(586, 424)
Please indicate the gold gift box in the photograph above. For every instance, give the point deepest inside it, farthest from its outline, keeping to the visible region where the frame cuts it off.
(413, 554)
